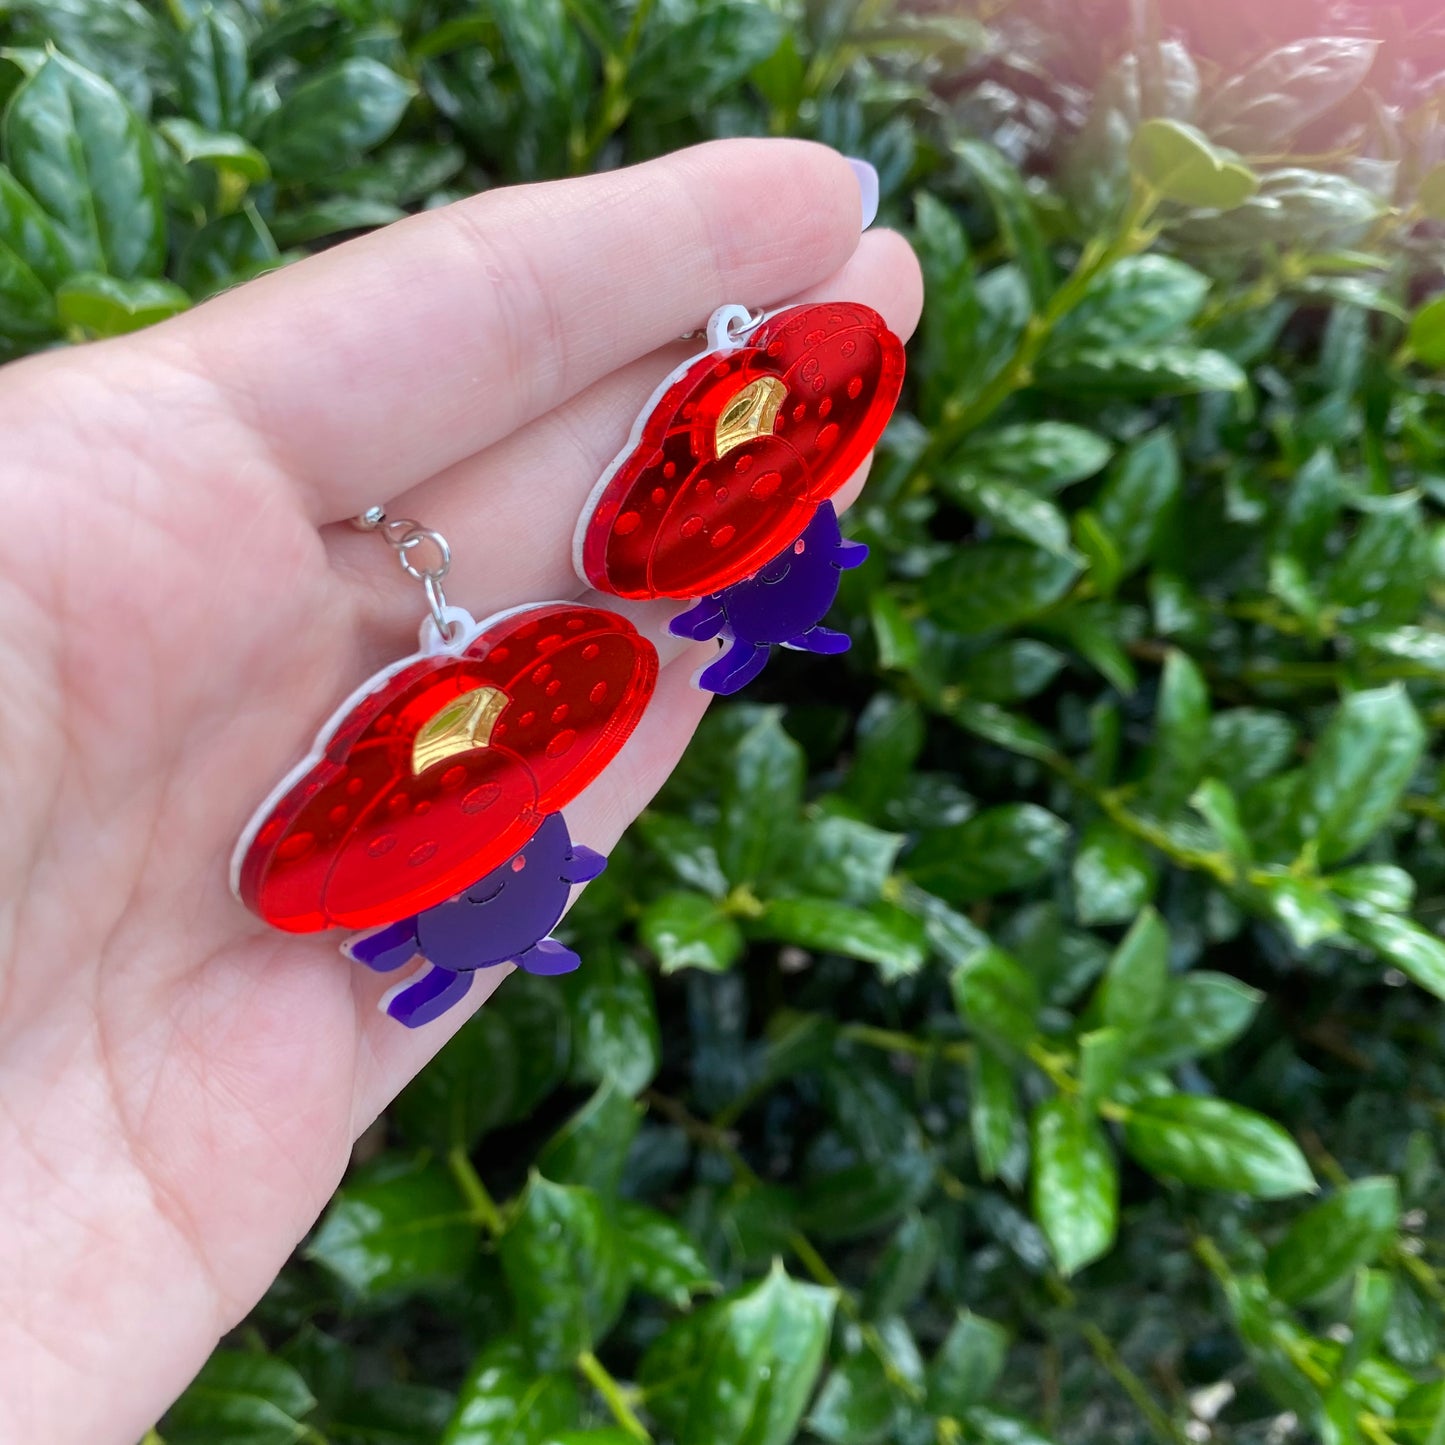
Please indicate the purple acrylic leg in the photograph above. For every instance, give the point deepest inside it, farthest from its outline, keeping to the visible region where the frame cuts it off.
(426, 997)
(738, 665)
(384, 949)
(583, 864)
(820, 639)
(548, 957)
(701, 621)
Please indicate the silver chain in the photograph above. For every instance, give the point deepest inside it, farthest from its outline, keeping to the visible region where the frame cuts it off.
(423, 553)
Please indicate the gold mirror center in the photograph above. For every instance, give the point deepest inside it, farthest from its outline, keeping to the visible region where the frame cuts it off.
(753, 412)
(460, 727)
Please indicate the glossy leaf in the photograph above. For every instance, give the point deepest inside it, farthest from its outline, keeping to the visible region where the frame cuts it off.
(966, 1365)
(1075, 1183)
(997, 997)
(760, 796)
(662, 1258)
(1201, 1013)
(1214, 1144)
(1114, 875)
(591, 1147)
(1044, 455)
(332, 117)
(996, 851)
(688, 930)
(884, 935)
(396, 1231)
(566, 1267)
(102, 305)
(1137, 497)
(1327, 1243)
(242, 1399)
(1179, 162)
(505, 1401)
(741, 1369)
(82, 152)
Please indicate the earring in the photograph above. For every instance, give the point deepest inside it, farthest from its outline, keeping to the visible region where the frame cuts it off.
(428, 813)
(722, 491)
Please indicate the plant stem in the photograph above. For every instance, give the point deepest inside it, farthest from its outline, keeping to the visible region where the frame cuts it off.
(483, 1206)
(616, 1395)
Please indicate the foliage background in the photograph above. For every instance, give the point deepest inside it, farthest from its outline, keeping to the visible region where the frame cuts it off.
(1021, 1030)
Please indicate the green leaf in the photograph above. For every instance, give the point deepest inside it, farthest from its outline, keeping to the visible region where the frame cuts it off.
(1329, 1242)
(1374, 888)
(1202, 1013)
(842, 858)
(1213, 1144)
(566, 1266)
(215, 72)
(393, 1413)
(332, 117)
(222, 150)
(1011, 670)
(1114, 874)
(1306, 909)
(997, 584)
(740, 1371)
(396, 1231)
(1218, 806)
(241, 1398)
(905, 1267)
(1141, 371)
(883, 934)
(995, 1118)
(662, 1258)
(33, 261)
(997, 997)
(1138, 496)
(88, 160)
(687, 930)
(1000, 850)
(687, 58)
(761, 795)
(889, 738)
(504, 1401)
(1014, 208)
(1042, 455)
(951, 322)
(1139, 300)
(223, 252)
(107, 306)
(1427, 332)
(1012, 509)
(1179, 162)
(967, 1365)
(614, 1020)
(1248, 744)
(1133, 988)
(591, 1147)
(1359, 770)
(501, 1064)
(1413, 950)
(1104, 1057)
(1284, 90)
(1075, 1183)
(686, 849)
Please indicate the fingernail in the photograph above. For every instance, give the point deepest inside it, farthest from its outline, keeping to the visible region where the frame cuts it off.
(867, 187)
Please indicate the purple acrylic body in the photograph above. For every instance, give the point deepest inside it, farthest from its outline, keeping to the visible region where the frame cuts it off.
(781, 604)
(505, 917)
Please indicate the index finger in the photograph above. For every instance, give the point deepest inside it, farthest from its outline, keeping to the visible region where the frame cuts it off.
(371, 367)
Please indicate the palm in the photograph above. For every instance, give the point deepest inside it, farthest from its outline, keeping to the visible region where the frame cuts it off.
(180, 606)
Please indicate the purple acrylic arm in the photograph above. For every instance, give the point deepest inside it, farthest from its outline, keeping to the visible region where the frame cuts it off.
(583, 864)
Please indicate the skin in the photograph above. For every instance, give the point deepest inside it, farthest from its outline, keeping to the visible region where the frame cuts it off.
(181, 603)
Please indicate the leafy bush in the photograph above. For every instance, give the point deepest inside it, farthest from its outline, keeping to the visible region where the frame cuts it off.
(967, 1029)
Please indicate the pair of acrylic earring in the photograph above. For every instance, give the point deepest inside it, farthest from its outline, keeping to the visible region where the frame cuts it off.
(427, 817)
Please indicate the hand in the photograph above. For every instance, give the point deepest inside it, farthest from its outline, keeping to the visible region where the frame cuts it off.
(182, 604)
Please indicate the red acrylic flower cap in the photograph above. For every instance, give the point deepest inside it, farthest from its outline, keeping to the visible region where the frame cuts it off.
(736, 451)
(443, 766)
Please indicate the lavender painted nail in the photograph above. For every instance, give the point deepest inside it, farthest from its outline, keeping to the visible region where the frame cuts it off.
(867, 187)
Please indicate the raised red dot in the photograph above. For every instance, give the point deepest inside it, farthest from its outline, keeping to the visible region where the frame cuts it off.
(824, 407)
(659, 494)
(827, 436)
(723, 535)
(380, 847)
(775, 348)
(553, 687)
(527, 719)
(800, 411)
(482, 796)
(355, 785)
(576, 624)
(669, 471)
(764, 486)
(720, 496)
(744, 463)
(541, 674)
(599, 691)
(560, 742)
(270, 832)
(339, 813)
(849, 347)
(298, 845)
(691, 526)
(590, 651)
(559, 713)
(721, 369)
(454, 776)
(701, 485)
(627, 523)
(527, 629)
(423, 807)
(855, 388)
(397, 804)
(499, 654)
(422, 853)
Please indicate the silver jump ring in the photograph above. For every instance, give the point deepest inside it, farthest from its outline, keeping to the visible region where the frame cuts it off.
(405, 536)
